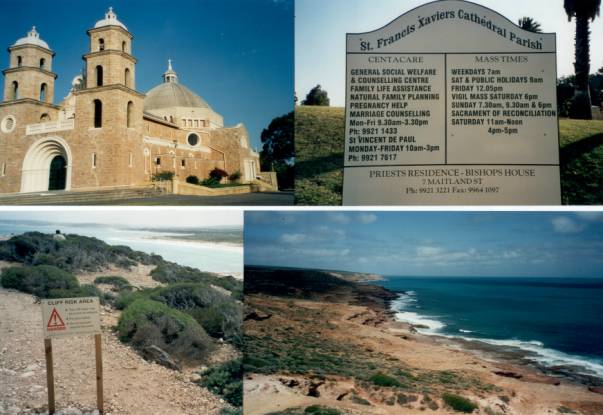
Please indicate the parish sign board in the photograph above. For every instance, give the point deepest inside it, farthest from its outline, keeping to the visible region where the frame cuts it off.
(64, 317)
(451, 104)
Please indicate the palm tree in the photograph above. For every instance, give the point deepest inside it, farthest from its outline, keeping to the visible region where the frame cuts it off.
(529, 24)
(584, 11)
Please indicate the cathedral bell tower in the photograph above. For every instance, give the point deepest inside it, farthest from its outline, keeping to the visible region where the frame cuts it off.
(109, 109)
(110, 61)
(30, 73)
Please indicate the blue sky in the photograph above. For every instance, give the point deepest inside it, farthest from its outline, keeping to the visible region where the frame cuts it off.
(321, 25)
(236, 54)
(556, 244)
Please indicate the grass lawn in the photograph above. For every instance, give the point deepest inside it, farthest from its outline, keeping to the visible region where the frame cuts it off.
(319, 140)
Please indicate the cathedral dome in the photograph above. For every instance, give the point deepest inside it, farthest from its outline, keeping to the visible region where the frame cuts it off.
(33, 38)
(110, 20)
(172, 94)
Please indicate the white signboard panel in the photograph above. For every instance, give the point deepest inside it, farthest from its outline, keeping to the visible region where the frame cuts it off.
(451, 104)
(63, 317)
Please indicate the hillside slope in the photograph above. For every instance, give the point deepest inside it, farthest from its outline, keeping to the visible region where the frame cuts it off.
(319, 146)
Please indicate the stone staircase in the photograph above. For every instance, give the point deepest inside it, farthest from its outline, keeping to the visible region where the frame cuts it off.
(84, 197)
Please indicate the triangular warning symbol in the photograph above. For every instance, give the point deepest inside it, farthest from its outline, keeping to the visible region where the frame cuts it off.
(55, 322)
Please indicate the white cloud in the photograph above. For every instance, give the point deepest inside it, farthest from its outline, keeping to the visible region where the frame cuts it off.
(366, 218)
(340, 218)
(428, 251)
(563, 224)
(590, 216)
(292, 238)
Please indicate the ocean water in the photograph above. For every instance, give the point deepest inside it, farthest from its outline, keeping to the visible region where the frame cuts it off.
(559, 322)
(204, 256)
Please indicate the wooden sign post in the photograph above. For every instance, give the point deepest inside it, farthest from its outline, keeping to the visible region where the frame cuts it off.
(64, 317)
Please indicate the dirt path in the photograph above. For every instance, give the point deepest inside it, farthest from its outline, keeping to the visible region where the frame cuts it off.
(132, 385)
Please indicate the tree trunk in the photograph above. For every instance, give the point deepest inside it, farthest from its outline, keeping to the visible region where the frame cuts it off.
(581, 104)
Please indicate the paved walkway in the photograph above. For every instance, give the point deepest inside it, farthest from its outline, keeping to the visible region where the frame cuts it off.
(247, 199)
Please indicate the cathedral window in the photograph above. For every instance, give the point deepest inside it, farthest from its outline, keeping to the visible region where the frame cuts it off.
(123, 46)
(130, 110)
(183, 163)
(19, 61)
(93, 160)
(98, 113)
(171, 119)
(45, 118)
(193, 139)
(196, 123)
(8, 124)
(158, 161)
(99, 75)
(43, 92)
(15, 90)
(127, 77)
(101, 44)
(42, 63)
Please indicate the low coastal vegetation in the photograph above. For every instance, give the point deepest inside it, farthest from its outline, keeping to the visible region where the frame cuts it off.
(287, 336)
(225, 380)
(46, 281)
(319, 143)
(458, 403)
(179, 323)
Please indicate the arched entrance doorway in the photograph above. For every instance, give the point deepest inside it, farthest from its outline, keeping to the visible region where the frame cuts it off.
(47, 166)
(57, 174)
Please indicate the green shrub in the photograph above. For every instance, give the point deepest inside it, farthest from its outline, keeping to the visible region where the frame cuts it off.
(46, 281)
(120, 283)
(146, 322)
(226, 380)
(192, 180)
(161, 176)
(169, 273)
(217, 174)
(231, 411)
(360, 401)
(38, 280)
(75, 253)
(211, 182)
(235, 177)
(218, 314)
(86, 290)
(387, 381)
(458, 403)
(321, 410)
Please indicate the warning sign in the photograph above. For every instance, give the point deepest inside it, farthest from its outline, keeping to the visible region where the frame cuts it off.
(63, 317)
(55, 322)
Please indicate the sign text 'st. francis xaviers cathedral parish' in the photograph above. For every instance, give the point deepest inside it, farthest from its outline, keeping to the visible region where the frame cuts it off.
(451, 104)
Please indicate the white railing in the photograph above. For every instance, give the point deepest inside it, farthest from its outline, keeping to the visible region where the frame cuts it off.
(49, 127)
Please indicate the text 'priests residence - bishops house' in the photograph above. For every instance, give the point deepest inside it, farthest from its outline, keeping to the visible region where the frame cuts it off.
(106, 133)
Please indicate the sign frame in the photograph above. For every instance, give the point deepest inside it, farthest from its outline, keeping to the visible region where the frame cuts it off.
(53, 321)
(552, 187)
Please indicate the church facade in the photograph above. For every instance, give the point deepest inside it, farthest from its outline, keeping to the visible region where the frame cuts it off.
(106, 133)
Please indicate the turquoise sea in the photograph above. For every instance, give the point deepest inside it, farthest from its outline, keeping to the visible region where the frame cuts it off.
(556, 323)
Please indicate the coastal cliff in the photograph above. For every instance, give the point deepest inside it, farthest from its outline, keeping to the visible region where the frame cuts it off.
(317, 342)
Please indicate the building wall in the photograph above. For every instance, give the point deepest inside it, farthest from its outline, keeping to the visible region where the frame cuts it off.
(113, 36)
(118, 148)
(30, 56)
(228, 140)
(30, 81)
(199, 160)
(14, 145)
